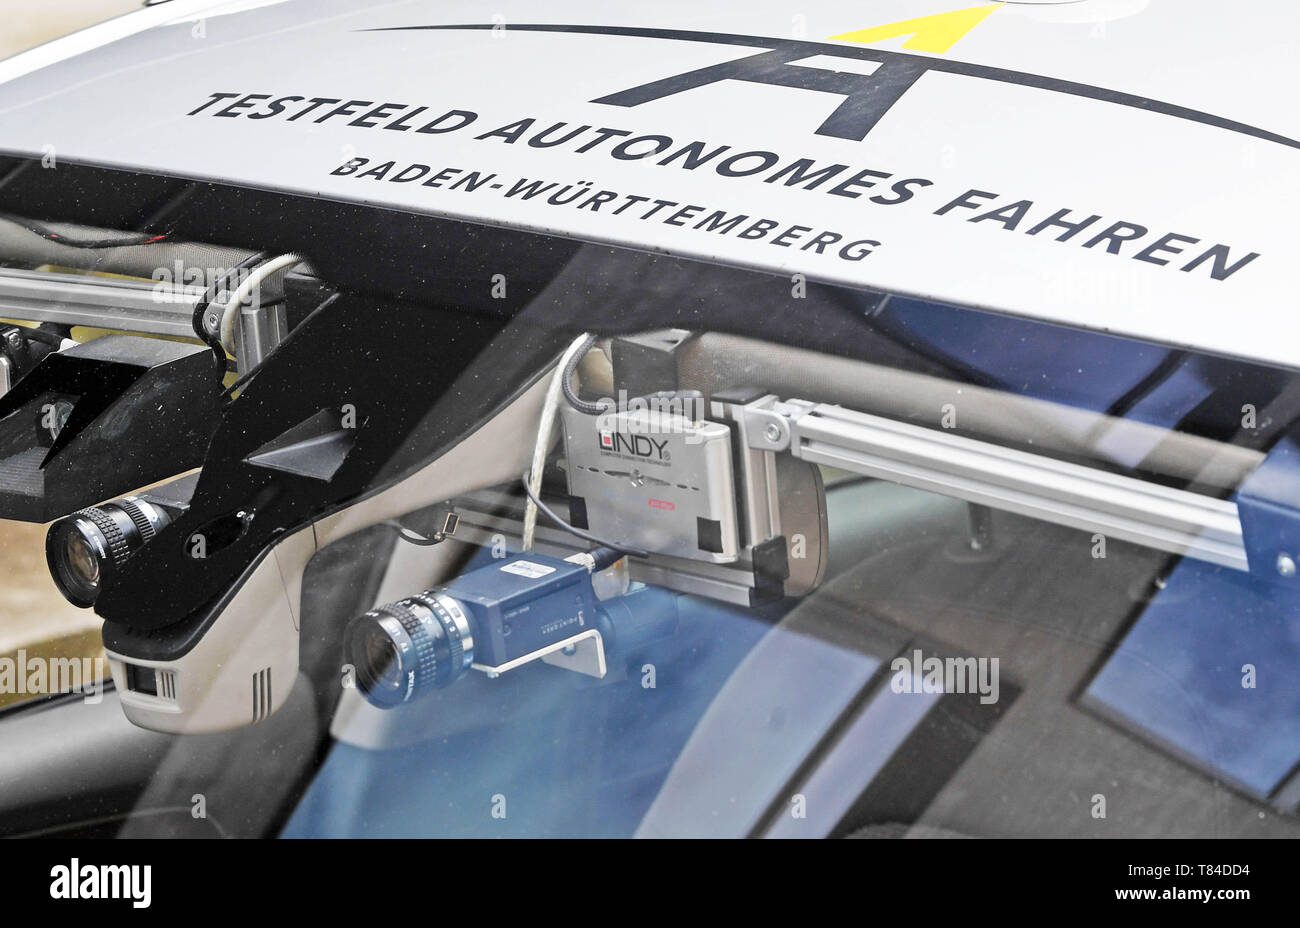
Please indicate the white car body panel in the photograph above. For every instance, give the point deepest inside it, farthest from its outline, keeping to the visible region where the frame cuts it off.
(1230, 179)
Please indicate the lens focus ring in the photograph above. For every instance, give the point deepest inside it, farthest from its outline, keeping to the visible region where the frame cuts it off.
(135, 512)
(424, 662)
(403, 649)
(118, 548)
(460, 641)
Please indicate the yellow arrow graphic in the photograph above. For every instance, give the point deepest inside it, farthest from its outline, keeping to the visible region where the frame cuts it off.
(937, 32)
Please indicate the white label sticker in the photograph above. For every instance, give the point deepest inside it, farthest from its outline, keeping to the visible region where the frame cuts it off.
(527, 569)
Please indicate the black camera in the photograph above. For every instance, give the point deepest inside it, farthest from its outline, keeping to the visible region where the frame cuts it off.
(498, 617)
(84, 548)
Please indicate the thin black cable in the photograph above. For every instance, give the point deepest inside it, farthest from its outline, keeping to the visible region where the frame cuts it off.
(409, 536)
(74, 241)
(574, 530)
(604, 557)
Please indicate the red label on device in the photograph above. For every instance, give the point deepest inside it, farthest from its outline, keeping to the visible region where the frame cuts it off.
(662, 504)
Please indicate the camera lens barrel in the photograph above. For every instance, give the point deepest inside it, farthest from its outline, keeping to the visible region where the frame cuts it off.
(84, 548)
(403, 649)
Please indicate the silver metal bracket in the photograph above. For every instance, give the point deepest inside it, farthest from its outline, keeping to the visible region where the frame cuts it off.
(767, 423)
(582, 653)
(763, 431)
(260, 329)
(1087, 498)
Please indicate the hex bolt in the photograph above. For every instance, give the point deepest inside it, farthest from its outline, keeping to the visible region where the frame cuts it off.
(772, 433)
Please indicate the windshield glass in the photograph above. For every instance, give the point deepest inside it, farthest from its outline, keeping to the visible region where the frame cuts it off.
(855, 564)
(927, 657)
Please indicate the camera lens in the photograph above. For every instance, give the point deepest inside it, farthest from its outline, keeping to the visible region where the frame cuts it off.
(88, 545)
(409, 647)
(382, 658)
(81, 559)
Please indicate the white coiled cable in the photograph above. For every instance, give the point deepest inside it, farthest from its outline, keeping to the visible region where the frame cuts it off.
(544, 427)
(246, 289)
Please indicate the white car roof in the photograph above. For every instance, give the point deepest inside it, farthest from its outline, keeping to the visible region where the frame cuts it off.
(949, 157)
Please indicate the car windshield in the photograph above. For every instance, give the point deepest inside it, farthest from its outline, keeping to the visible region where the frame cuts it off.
(990, 580)
(929, 657)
